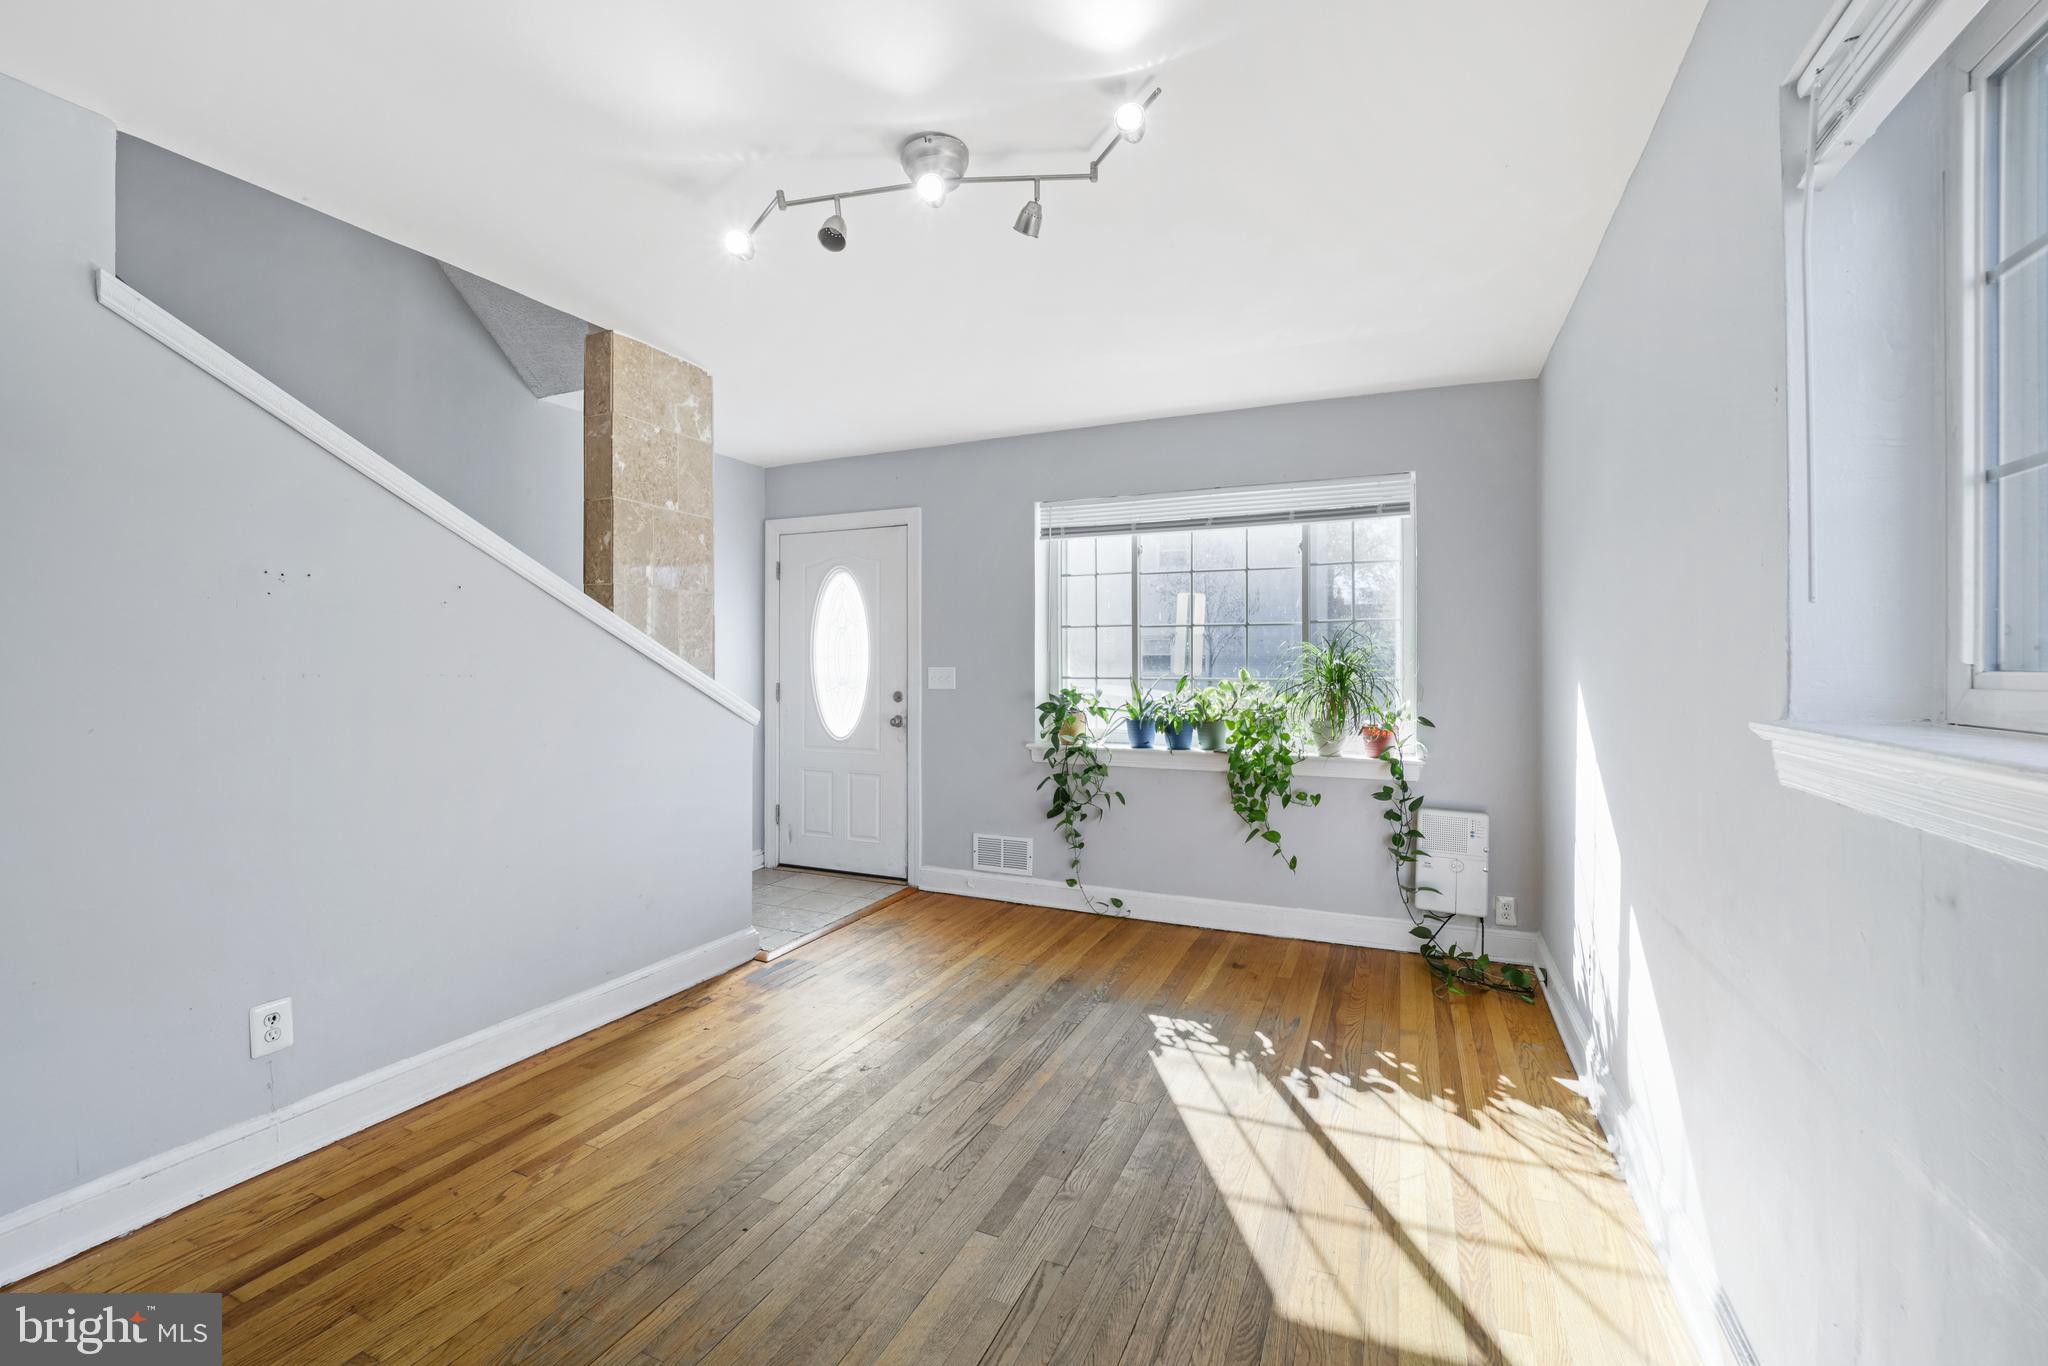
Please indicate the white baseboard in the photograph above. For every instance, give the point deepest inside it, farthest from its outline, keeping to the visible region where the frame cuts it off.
(1694, 1283)
(65, 1224)
(760, 859)
(1242, 917)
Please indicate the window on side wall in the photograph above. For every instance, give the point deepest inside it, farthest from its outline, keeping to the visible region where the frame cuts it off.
(2002, 533)
(1207, 583)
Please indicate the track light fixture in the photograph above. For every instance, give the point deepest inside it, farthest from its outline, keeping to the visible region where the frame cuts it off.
(934, 165)
(1031, 215)
(832, 236)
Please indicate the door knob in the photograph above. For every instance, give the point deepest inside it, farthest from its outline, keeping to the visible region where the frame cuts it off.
(897, 720)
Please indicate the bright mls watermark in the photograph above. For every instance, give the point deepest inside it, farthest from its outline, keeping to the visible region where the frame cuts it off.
(171, 1329)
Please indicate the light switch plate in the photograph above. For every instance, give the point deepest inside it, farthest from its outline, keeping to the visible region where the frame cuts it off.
(940, 679)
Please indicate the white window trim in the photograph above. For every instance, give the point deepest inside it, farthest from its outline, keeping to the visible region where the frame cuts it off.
(2008, 700)
(1047, 671)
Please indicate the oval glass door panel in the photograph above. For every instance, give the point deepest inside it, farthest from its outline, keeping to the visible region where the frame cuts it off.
(839, 653)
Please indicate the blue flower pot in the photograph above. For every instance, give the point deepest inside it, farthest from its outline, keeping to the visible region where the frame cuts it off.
(1141, 733)
(1181, 737)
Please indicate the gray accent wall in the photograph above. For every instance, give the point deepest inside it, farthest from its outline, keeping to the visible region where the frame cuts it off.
(269, 731)
(1473, 450)
(1819, 1036)
(372, 336)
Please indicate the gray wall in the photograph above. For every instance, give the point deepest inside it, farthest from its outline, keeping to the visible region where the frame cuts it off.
(372, 336)
(377, 339)
(269, 731)
(738, 491)
(1473, 450)
(1822, 1034)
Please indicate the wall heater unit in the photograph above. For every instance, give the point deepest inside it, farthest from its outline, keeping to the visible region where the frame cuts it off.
(1456, 865)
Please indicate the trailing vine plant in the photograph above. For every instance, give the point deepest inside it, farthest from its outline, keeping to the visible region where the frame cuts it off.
(1259, 760)
(1078, 776)
(1456, 969)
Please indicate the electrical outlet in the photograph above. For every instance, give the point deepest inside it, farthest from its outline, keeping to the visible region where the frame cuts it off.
(1503, 910)
(270, 1027)
(941, 678)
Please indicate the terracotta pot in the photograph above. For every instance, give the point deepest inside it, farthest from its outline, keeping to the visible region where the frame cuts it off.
(1377, 742)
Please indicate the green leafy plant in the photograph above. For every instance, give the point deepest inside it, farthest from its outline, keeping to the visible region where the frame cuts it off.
(1176, 706)
(1457, 969)
(1336, 683)
(1142, 707)
(1259, 760)
(1211, 704)
(1078, 776)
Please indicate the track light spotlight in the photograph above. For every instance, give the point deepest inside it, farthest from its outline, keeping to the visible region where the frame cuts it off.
(832, 236)
(740, 244)
(1130, 121)
(1031, 215)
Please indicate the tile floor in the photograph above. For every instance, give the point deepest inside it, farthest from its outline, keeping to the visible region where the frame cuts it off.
(790, 903)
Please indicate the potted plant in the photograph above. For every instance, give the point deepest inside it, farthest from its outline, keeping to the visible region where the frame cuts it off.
(1141, 717)
(1380, 723)
(1211, 708)
(1177, 716)
(1333, 685)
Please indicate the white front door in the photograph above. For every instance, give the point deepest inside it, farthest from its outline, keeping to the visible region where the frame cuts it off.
(844, 660)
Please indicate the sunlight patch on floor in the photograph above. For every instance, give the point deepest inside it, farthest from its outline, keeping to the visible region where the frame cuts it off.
(1386, 1208)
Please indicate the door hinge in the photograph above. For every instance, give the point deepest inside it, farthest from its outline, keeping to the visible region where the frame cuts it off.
(778, 692)
(778, 571)
(778, 813)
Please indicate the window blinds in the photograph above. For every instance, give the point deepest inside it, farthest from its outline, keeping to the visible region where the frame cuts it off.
(1866, 60)
(1330, 500)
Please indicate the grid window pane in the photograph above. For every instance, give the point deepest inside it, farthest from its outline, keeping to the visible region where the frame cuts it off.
(1219, 652)
(1270, 651)
(1163, 599)
(1163, 550)
(2022, 505)
(1077, 601)
(1377, 590)
(1077, 654)
(1113, 652)
(1329, 542)
(1077, 555)
(1113, 554)
(1219, 548)
(1113, 600)
(1220, 596)
(1273, 547)
(1377, 538)
(1329, 592)
(2023, 362)
(1162, 653)
(1274, 595)
(2023, 148)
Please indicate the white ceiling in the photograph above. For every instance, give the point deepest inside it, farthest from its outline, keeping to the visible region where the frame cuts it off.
(1335, 197)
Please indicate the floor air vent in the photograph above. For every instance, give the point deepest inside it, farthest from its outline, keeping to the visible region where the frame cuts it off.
(1002, 854)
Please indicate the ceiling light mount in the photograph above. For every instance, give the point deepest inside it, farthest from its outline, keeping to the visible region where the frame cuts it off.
(933, 160)
(935, 165)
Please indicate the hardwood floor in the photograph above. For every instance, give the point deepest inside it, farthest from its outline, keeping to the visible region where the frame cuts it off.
(962, 1131)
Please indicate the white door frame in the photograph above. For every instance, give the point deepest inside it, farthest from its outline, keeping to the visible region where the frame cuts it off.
(912, 519)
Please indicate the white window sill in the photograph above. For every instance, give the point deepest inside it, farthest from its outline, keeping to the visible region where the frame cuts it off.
(1984, 788)
(1356, 767)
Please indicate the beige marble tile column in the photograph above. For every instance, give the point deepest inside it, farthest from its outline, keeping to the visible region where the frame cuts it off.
(647, 491)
